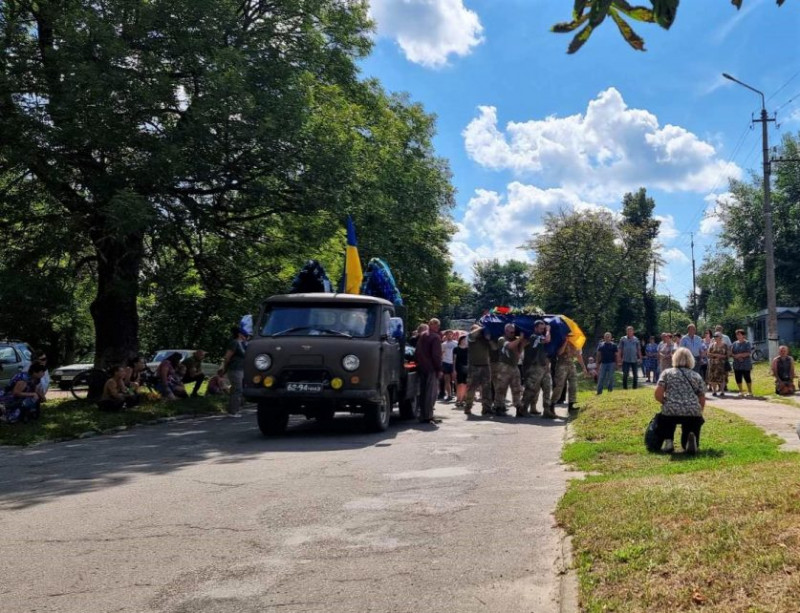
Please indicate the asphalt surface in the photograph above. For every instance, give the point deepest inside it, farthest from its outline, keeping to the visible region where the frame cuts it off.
(207, 515)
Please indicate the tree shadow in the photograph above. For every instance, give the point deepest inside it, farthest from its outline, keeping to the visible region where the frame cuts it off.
(38, 474)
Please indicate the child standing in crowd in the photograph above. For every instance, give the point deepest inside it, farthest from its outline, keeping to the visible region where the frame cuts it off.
(651, 360)
(591, 369)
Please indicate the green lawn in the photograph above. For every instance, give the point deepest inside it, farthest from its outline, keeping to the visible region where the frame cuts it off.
(71, 418)
(654, 532)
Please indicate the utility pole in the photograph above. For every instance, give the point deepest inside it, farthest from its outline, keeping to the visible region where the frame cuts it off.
(669, 293)
(655, 268)
(694, 286)
(769, 248)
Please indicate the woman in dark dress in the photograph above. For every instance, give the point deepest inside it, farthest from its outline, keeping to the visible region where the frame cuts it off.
(461, 368)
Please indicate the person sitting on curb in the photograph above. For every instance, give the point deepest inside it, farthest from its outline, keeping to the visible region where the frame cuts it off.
(194, 371)
(25, 398)
(783, 371)
(116, 395)
(218, 384)
(169, 383)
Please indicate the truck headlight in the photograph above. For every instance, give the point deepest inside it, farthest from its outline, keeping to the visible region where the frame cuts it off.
(350, 362)
(263, 361)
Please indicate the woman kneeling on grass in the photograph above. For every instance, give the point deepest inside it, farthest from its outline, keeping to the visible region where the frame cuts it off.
(682, 395)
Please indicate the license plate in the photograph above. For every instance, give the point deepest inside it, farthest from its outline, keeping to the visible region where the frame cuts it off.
(313, 388)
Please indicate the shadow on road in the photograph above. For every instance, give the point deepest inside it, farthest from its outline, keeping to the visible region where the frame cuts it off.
(35, 475)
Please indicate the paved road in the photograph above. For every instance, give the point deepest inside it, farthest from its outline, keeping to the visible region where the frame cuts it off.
(208, 516)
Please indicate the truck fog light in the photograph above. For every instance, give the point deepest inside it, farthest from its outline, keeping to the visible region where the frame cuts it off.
(354, 380)
(257, 379)
(350, 362)
(269, 381)
(336, 383)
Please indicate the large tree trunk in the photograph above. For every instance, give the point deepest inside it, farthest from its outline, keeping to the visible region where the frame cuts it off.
(114, 309)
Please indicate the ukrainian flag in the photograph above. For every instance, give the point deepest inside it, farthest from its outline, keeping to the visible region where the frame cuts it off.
(353, 275)
(576, 336)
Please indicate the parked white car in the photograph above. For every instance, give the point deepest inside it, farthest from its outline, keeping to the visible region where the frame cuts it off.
(63, 375)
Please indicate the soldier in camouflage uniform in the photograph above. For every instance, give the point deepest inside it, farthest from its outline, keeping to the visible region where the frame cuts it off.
(566, 375)
(536, 368)
(508, 373)
(480, 372)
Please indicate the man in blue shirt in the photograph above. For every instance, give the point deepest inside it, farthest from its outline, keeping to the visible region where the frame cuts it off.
(607, 359)
(694, 344)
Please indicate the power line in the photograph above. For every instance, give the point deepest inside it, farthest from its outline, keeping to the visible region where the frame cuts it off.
(792, 78)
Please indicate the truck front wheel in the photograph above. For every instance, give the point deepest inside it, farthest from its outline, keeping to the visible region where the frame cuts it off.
(272, 422)
(379, 415)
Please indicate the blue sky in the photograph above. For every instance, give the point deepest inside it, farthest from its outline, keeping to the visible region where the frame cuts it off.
(529, 129)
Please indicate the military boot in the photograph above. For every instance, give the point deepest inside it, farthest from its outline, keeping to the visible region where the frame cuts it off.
(549, 412)
(572, 408)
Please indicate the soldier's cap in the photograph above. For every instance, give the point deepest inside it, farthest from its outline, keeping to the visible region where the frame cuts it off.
(539, 321)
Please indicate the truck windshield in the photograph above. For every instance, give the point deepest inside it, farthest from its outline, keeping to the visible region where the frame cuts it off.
(318, 320)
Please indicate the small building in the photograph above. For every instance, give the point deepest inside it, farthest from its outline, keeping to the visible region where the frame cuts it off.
(788, 328)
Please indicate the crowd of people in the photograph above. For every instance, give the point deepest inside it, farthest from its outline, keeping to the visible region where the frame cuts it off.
(460, 366)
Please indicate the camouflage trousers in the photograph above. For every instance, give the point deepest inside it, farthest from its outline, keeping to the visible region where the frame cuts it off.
(565, 375)
(537, 378)
(479, 378)
(507, 376)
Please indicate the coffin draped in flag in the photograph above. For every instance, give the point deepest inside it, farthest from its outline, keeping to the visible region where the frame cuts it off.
(561, 327)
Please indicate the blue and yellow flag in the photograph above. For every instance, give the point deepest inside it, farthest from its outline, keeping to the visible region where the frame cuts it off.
(353, 274)
(576, 336)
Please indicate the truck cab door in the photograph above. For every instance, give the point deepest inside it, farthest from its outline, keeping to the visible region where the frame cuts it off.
(390, 347)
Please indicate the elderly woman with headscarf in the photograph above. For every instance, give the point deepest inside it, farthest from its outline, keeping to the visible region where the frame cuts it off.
(682, 395)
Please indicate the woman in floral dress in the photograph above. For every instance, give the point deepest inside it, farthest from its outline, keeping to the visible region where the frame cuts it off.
(717, 358)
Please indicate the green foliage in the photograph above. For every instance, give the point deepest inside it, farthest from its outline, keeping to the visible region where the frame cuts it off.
(506, 284)
(594, 268)
(592, 13)
(198, 151)
(731, 278)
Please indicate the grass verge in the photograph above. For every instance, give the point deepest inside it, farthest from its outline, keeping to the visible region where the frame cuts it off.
(719, 531)
(64, 419)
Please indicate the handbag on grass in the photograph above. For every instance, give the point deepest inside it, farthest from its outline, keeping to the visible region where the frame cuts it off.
(652, 438)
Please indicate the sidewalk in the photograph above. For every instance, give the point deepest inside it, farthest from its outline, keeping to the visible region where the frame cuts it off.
(772, 417)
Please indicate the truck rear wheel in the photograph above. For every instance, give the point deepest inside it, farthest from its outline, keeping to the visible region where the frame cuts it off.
(272, 422)
(379, 415)
(409, 408)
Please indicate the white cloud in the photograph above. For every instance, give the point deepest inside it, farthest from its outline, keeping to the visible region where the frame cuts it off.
(428, 31)
(600, 154)
(793, 116)
(712, 222)
(496, 225)
(674, 256)
(667, 230)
